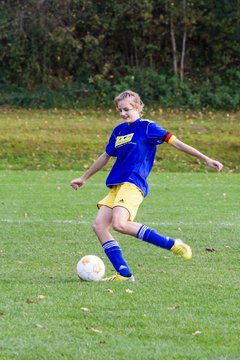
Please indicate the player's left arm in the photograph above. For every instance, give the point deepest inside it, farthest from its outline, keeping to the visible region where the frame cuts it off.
(179, 145)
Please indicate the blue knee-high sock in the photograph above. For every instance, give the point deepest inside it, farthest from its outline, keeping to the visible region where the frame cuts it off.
(114, 253)
(153, 237)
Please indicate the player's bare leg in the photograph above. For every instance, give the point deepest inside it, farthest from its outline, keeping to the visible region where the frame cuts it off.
(121, 223)
(111, 248)
(102, 224)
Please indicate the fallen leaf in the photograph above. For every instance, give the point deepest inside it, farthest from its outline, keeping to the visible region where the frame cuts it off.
(40, 296)
(129, 291)
(30, 301)
(196, 333)
(173, 307)
(210, 249)
(110, 290)
(39, 326)
(95, 330)
(84, 309)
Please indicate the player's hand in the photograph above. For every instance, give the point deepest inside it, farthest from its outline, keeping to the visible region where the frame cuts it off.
(216, 165)
(77, 183)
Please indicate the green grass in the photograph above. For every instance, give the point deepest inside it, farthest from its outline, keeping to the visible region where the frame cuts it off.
(61, 139)
(177, 310)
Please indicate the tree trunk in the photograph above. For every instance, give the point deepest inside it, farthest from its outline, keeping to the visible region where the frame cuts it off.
(174, 46)
(183, 55)
(183, 42)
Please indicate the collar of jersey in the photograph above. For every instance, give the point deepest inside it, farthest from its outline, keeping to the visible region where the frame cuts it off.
(134, 122)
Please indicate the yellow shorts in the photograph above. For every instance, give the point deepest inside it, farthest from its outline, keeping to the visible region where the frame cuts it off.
(126, 195)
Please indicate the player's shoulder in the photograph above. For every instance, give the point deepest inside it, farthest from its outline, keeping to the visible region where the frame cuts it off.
(146, 123)
(150, 124)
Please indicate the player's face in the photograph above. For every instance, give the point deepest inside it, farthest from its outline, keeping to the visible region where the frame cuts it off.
(128, 111)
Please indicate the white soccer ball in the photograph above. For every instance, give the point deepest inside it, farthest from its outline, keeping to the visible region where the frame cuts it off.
(90, 268)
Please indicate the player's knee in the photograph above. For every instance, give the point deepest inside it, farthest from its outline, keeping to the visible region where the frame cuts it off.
(96, 226)
(119, 225)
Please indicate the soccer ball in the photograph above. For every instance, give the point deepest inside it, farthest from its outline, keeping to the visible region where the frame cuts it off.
(90, 268)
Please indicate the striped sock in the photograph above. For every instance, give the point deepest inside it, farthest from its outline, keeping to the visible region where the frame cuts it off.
(153, 237)
(114, 253)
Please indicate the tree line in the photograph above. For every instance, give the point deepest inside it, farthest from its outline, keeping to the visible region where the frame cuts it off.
(178, 52)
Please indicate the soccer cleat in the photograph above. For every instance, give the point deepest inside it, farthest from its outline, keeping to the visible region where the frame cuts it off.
(182, 249)
(119, 277)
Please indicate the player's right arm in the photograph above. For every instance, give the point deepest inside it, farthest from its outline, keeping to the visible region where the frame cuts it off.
(216, 165)
(98, 165)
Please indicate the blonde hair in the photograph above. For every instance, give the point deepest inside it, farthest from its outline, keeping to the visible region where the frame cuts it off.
(134, 97)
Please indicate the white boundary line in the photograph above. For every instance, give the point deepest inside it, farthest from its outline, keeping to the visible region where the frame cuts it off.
(85, 222)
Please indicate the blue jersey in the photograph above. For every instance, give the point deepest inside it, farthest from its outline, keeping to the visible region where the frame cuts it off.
(134, 145)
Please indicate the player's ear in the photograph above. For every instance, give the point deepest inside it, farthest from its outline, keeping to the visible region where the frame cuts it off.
(137, 106)
(140, 109)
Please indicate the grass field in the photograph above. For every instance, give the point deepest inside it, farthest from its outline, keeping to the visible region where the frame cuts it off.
(176, 310)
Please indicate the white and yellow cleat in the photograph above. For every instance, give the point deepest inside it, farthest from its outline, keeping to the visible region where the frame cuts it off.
(118, 277)
(182, 249)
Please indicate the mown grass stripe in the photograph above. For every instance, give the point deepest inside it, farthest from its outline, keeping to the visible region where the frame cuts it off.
(86, 222)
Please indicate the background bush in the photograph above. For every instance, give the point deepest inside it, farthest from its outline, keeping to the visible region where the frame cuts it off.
(83, 52)
(156, 90)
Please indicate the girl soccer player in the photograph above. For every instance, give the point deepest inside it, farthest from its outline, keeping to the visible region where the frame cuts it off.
(133, 143)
